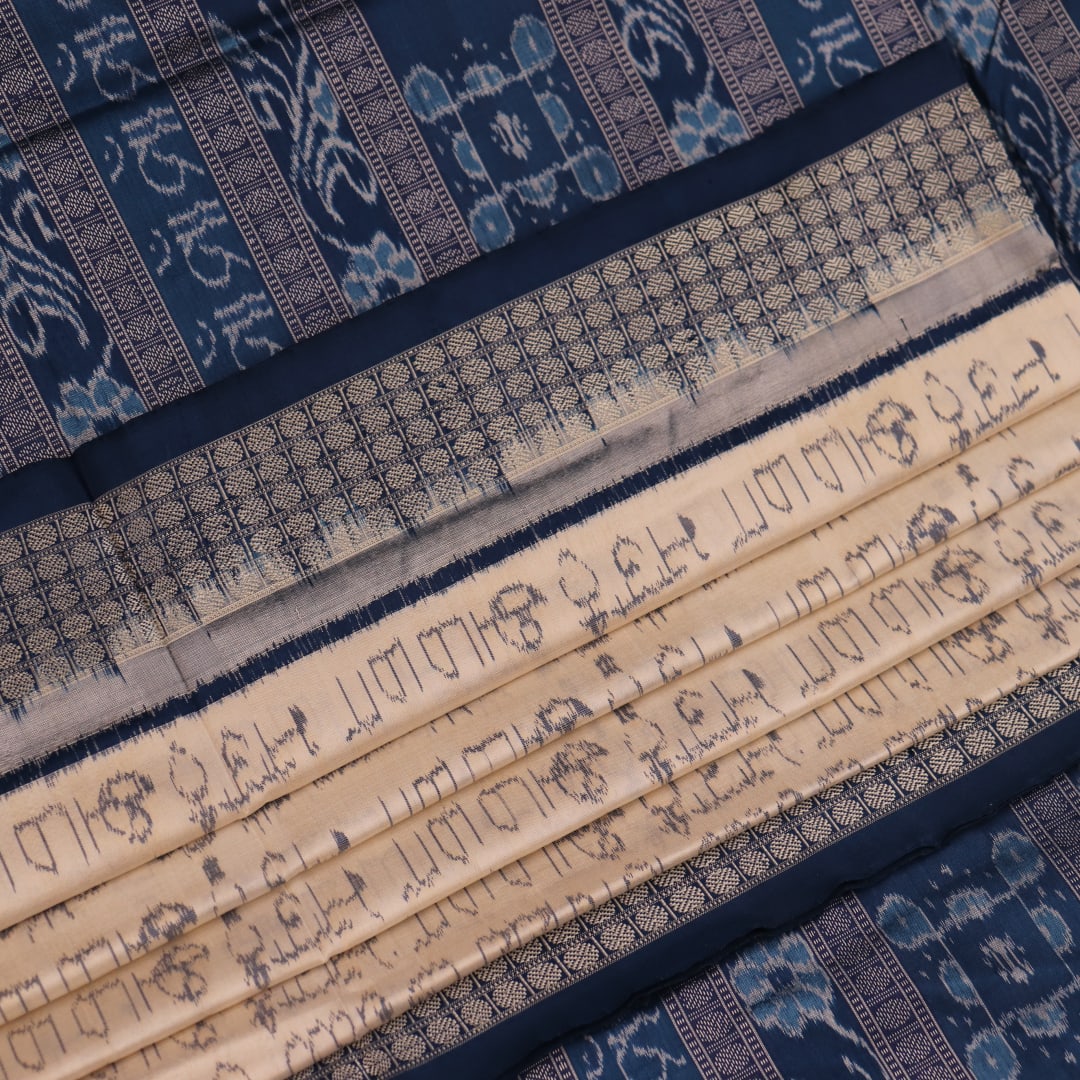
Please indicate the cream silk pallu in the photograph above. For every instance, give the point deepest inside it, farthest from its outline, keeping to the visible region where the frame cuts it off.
(516, 628)
(636, 659)
(291, 701)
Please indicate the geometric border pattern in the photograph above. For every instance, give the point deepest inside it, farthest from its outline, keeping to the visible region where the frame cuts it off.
(1049, 816)
(901, 1028)
(1051, 44)
(28, 430)
(224, 126)
(895, 30)
(712, 1022)
(744, 53)
(434, 427)
(607, 78)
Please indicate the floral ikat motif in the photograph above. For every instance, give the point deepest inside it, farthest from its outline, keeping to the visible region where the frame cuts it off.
(188, 186)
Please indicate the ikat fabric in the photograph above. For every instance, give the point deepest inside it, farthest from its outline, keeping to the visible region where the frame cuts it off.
(961, 964)
(189, 187)
(496, 497)
(251, 878)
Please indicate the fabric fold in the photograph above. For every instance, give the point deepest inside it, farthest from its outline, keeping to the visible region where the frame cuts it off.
(379, 709)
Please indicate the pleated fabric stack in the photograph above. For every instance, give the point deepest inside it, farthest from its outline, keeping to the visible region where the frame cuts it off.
(539, 538)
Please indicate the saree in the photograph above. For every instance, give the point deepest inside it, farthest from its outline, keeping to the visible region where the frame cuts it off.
(509, 509)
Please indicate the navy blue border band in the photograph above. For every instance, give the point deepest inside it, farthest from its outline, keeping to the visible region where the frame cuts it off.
(483, 284)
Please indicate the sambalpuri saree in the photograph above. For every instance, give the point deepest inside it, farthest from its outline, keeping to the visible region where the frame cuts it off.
(521, 516)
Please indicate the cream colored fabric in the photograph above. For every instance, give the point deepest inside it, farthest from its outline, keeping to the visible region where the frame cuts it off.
(818, 583)
(452, 752)
(462, 748)
(290, 1026)
(548, 372)
(109, 814)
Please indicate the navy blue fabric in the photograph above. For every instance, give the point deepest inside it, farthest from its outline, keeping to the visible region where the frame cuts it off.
(1024, 58)
(257, 172)
(491, 280)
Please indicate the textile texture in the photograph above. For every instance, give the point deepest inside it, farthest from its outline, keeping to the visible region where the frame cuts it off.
(538, 538)
(962, 963)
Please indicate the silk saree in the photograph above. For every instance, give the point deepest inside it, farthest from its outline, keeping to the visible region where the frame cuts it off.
(539, 539)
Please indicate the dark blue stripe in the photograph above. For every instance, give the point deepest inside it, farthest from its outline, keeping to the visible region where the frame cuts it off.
(461, 569)
(487, 282)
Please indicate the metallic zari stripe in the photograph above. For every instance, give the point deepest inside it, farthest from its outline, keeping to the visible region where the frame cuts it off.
(742, 562)
(356, 589)
(273, 868)
(484, 403)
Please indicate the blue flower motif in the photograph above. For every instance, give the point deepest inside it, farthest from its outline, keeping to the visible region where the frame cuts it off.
(956, 981)
(705, 127)
(322, 101)
(556, 113)
(532, 44)
(969, 905)
(94, 407)
(539, 190)
(596, 173)
(783, 986)
(970, 25)
(467, 157)
(1017, 859)
(903, 922)
(1053, 927)
(426, 94)
(380, 270)
(484, 79)
(990, 1057)
(490, 224)
(1044, 1020)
